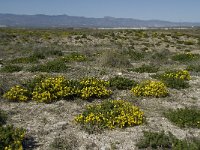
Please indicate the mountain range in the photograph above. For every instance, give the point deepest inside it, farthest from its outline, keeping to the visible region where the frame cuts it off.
(65, 21)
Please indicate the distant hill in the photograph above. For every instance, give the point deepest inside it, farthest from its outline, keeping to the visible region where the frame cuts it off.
(40, 20)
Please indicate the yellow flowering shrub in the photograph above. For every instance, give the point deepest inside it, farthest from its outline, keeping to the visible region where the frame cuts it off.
(150, 88)
(52, 88)
(11, 138)
(179, 74)
(17, 93)
(176, 79)
(92, 87)
(110, 114)
(48, 89)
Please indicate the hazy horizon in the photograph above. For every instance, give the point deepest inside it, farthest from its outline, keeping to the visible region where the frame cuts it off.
(173, 11)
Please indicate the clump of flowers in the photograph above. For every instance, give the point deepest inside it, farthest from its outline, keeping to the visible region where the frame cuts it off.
(52, 88)
(92, 87)
(150, 88)
(17, 93)
(111, 114)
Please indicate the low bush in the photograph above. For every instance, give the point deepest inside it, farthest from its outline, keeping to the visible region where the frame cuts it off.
(94, 88)
(48, 89)
(177, 74)
(110, 114)
(184, 117)
(156, 140)
(176, 83)
(134, 55)
(195, 68)
(53, 88)
(17, 93)
(11, 138)
(150, 88)
(146, 68)
(51, 66)
(31, 83)
(74, 57)
(24, 60)
(175, 79)
(189, 42)
(185, 57)
(69, 142)
(121, 83)
(11, 68)
(54, 53)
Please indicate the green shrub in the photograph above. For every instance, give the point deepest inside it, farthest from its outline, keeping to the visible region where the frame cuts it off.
(94, 88)
(150, 88)
(54, 53)
(3, 117)
(156, 140)
(161, 56)
(51, 66)
(134, 55)
(110, 114)
(187, 117)
(11, 138)
(11, 68)
(195, 68)
(145, 68)
(185, 57)
(51, 89)
(17, 93)
(38, 55)
(121, 83)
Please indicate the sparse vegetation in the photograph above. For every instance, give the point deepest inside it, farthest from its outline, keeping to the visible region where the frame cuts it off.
(73, 68)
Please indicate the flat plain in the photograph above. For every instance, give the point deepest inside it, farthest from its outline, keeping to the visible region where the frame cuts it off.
(128, 55)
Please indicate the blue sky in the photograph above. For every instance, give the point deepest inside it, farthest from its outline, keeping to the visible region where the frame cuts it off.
(171, 10)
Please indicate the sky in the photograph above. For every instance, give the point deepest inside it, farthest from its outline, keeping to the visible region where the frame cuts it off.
(169, 10)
